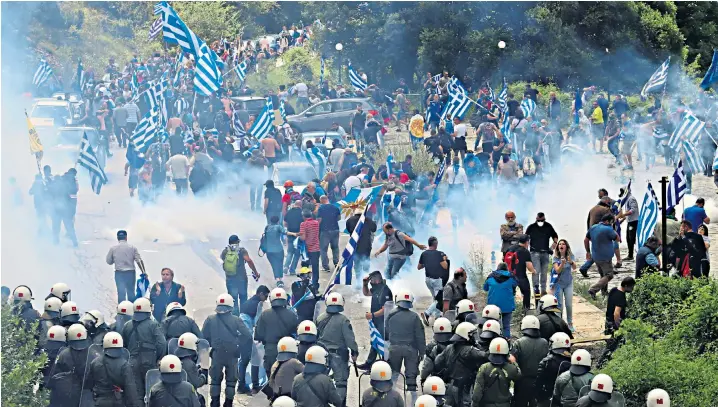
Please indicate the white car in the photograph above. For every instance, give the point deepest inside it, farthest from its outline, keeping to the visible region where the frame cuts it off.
(300, 173)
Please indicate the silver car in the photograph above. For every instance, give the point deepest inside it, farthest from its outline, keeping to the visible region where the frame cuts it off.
(319, 117)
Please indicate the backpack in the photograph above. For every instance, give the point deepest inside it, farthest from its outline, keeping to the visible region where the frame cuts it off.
(231, 260)
(294, 196)
(529, 166)
(408, 247)
(263, 243)
(512, 260)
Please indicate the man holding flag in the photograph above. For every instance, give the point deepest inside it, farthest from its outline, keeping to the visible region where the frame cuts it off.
(380, 294)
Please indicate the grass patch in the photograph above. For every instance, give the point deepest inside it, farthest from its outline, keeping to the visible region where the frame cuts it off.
(580, 287)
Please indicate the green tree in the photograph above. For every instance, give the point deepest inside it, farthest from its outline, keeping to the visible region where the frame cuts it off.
(21, 366)
(698, 22)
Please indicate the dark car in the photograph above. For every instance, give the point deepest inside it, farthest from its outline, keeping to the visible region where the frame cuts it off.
(248, 105)
(319, 117)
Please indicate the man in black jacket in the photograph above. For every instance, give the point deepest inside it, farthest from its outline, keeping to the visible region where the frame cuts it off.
(689, 250)
(363, 249)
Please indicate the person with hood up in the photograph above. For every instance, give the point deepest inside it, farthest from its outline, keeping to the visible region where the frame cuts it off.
(527, 352)
(501, 285)
(568, 384)
(493, 380)
(556, 362)
(381, 393)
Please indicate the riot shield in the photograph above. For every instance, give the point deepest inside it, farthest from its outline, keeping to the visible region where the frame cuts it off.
(152, 377)
(203, 354)
(450, 315)
(172, 346)
(319, 309)
(388, 308)
(617, 399)
(120, 321)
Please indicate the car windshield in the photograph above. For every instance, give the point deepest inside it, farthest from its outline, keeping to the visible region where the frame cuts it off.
(57, 113)
(254, 104)
(299, 175)
(317, 140)
(74, 136)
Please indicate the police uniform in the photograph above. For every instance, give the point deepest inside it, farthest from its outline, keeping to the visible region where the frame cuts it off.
(26, 313)
(274, 324)
(175, 325)
(528, 350)
(568, 386)
(458, 364)
(112, 383)
(551, 322)
(146, 343)
(442, 339)
(69, 383)
(405, 332)
(549, 368)
(315, 390)
(180, 394)
(46, 322)
(493, 381)
(373, 398)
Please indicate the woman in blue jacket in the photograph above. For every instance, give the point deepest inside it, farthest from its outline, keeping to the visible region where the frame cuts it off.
(501, 285)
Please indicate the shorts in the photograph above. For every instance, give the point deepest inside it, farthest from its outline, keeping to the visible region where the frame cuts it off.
(459, 144)
(627, 147)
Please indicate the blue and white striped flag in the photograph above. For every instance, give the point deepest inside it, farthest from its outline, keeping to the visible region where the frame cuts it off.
(377, 341)
(155, 28)
(237, 124)
(146, 131)
(360, 194)
(187, 136)
(134, 85)
(155, 96)
(492, 95)
(179, 69)
(676, 188)
(321, 72)
(626, 193)
(301, 247)
(657, 80)
(389, 164)
(711, 75)
(527, 107)
(241, 70)
(88, 160)
(316, 158)
(80, 76)
(693, 157)
(458, 104)
(343, 274)
(648, 216)
(263, 123)
(690, 129)
(282, 111)
(142, 287)
(181, 104)
(715, 161)
(435, 195)
(503, 95)
(42, 73)
(356, 80)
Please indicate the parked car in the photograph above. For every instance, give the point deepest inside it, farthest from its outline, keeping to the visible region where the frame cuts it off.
(248, 105)
(319, 117)
(66, 144)
(300, 173)
(48, 115)
(328, 136)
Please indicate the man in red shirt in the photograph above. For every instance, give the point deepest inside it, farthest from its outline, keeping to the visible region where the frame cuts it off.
(309, 233)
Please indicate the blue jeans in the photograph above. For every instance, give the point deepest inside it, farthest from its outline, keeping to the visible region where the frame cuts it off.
(314, 263)
(327, 239)
(275, 260)
(293, 255)
(565, 293)
(506, 324)
(434, 285)
(237, 288)
(393, 266)
(260, 377)
(125, 281)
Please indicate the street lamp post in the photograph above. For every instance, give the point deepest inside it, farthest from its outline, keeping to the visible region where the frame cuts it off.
(339, 48)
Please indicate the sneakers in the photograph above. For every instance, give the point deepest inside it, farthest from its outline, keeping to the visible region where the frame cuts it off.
(243, 389)
(584, 273)
(571, 328)
(424, 318)
(629, 258)
(593, 295)
(280, 284)
(364, 366)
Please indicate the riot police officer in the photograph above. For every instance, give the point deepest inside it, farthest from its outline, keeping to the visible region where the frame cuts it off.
(527, 352)
(405, 331)
(600, 393)
(491, 331)
(110, 375)
(125, 309)
(284, 401)
(172, 391)
(307, 336)
(313, 388)
(60, 291)
(284, 370)
(493, 380)
(658, 398)
(22, 307)
(550, 318)
(143, 337)
(96, 327)
(458, 364)
(381, 393)
(69, 314)
(464, 308)
(556, 362)
(49, 318)
(442, 338)
(569, 384)
(69, 381)
(187, 353)
(229, 339)
(426, 401)
(55, 340)
(336, 335)
(274, 324)
(435, 387)
(177, 322)
(490, 312)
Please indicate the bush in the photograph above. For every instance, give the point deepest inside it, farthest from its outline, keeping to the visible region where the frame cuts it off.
(298, 64)
(658, 300)
(698, 322)
(422, 161)
(21, 366)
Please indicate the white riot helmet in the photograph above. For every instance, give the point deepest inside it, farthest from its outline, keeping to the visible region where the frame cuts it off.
(125, 308)
(499, 351)
(307, 332)
(548, 301)
(404, 299)
(658, 398)
(580, 362)
(143, 309)
(224, 303)
(442, 330)
(61, 291)
(434, 386)
(426, 401)
(175, 306)
(186, 345)
(112, 343)
(490, 312)
(171, 369)
(287, 349)
(464, 306)
(57, 333)
(334, 303)
(490, 330)
(69, 313)
(22, 293)
(52, 307)
(77, 337)
(380, 377)
(465, 331)
(278, 297)
(284, 401)
(92, 319)
(530, 326)
(559, 343)
(315, 360)
(601, 388)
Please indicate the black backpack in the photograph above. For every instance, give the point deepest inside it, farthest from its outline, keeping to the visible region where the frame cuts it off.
(408, 247)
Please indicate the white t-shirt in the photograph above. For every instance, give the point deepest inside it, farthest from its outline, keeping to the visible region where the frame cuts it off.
(302, 90)
(460, 130)
(335, 157)
(179, 166)
(351, 182)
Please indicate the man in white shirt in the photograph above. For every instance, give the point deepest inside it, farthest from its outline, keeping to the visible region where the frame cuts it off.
(336, 157)
(178, 165)
(352, 181)
(302, 91)
(459, 138)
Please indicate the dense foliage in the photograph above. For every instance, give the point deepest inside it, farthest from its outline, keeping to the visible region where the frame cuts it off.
(670, 342)
(20, 364)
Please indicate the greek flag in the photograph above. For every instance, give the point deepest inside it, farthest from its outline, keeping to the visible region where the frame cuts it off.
(155, 96)
(142, 287)
(134, 84)
(527, 107)
(155, 28)
(711, 76)
(458, 103)
(509, 135)
(88, 160)
(42, 74)
(263, 124)
(676, 188)
(435, 195)
(503, 95)
(343, 275)
(80, 76)
(282, 111)
(657, 80)
(321, 72)
(146, 131)
(626, 193)
(389, 164)
(492, 96)
(357, 81)
(207, 75)
(179, 69)
(241, 70)
(690, 130)
(648, 216)
(693, 157)
(377, 341)
(187, 137)
(238, 125)
(180, 106)
(361, 194)
(315, 157)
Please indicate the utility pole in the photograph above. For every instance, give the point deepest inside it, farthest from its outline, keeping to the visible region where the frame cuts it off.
(664, 260)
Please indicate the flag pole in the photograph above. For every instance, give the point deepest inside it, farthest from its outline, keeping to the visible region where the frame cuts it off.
(664, 232)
